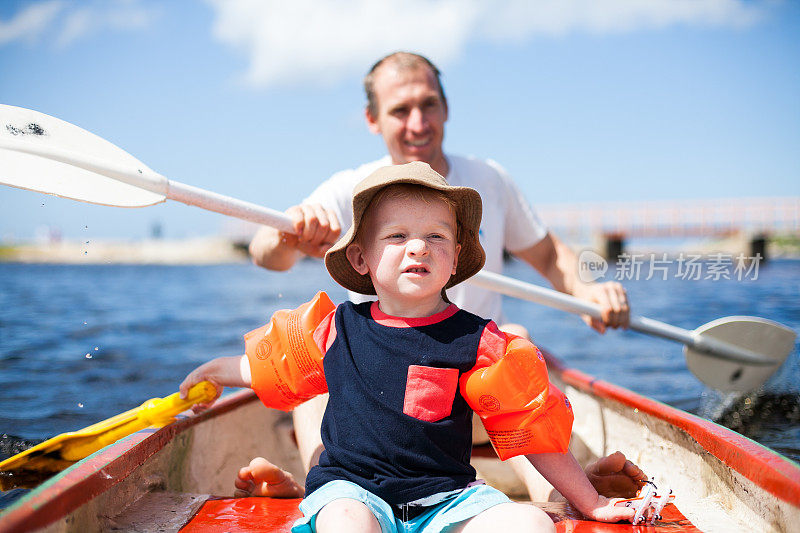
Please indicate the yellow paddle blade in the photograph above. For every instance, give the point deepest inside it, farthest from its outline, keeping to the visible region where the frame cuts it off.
(60, 451)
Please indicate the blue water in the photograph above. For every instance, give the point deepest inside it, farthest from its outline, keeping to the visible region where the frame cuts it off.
(145, 327)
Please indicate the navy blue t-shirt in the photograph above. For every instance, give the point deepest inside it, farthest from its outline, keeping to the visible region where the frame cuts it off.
(396, 423)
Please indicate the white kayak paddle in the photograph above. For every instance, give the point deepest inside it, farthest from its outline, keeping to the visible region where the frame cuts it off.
(734, 353)
(44, 154)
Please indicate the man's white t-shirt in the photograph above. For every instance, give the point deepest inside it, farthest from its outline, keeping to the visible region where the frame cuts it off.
(508, 220)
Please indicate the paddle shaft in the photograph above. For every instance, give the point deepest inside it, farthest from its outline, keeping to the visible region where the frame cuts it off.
(565, 302)
(145, 178)
(226, 205)
(190, 195)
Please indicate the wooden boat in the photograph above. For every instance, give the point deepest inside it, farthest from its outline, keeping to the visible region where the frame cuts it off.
(179, 477)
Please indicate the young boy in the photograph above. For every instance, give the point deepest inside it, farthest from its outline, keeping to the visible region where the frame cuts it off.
(406, 372)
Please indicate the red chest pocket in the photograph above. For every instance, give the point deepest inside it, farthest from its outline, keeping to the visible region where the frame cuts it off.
(430, 392)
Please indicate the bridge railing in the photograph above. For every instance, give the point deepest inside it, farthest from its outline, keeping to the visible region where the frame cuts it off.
(675, 218)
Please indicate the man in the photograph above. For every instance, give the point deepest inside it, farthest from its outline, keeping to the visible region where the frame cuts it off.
(407, 106)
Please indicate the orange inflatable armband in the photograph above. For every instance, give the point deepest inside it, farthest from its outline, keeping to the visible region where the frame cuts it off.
(546, 430)
(285, 361)
(521, 411)
(516, 382)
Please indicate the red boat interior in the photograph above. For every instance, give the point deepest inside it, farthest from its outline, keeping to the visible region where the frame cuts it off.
(275, 515)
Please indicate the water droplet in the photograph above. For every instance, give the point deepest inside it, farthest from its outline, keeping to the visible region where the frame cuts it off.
(88, 356)
(80, 405)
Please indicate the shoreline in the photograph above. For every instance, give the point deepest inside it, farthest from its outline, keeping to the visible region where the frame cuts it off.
(195, 251)
(222, 250)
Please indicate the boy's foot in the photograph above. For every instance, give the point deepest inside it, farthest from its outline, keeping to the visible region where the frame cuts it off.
(614, 476)
(262, 478)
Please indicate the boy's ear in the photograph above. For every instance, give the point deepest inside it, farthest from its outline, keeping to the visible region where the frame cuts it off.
(455, 260)
(355, 254)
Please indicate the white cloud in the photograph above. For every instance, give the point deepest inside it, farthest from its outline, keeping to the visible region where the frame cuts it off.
(325, 40)
(30, 23)
(520, 18)
(118, 15)
(60, 23)
(74, 26)
(316, 40)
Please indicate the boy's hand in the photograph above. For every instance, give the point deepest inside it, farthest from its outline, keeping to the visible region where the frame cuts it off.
(205, 372)
(221, 372)
(604, 510)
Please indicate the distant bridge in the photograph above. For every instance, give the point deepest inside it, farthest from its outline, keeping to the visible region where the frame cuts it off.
(757, 218)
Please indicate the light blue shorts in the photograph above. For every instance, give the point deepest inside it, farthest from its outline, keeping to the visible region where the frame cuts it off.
(466, 504)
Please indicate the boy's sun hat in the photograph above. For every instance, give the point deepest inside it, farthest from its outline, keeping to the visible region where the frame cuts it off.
(468, 215)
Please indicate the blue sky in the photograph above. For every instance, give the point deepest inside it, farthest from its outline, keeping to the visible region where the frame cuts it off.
(580, 100)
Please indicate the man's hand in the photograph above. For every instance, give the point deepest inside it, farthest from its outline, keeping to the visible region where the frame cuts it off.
(559, 265)
(316, 230)
(612, 299)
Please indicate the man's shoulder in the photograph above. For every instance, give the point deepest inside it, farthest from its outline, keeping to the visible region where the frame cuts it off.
(360, 172)
(471, 167)
(340, 185)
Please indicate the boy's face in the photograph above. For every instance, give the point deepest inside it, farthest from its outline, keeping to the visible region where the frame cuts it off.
(408, 248)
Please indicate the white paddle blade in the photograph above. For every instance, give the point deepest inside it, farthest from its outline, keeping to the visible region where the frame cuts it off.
(44, 154)
(770, 339)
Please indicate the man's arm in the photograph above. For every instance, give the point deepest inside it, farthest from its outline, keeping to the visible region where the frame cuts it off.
(559, 265)
(269, 249)
(316, 229)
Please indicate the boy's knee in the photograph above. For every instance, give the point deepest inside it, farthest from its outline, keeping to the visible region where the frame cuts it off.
(517, 517)
(530, 518)
(525, 517)
(346, 515)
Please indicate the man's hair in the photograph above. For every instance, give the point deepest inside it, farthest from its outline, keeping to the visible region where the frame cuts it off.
(402, 61)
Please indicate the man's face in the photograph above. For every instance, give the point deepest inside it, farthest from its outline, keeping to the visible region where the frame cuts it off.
(411, 115)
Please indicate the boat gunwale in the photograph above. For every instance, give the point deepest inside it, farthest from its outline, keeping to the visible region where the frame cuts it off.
(86, 479)
(774, 473)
